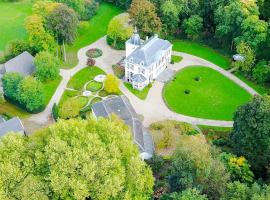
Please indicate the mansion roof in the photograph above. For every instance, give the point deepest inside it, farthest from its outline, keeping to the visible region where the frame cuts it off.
(149, 52)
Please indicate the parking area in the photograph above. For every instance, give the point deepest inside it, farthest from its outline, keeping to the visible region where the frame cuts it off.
(166, 75)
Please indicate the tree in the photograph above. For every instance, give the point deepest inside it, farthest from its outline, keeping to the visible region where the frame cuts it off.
(74, 159)
(44, 8)
(143, 16)
(193, 165)
(31, 94)
(251, 133)
(189, 194)
(16, 47)
(119, 30)
(111, 84)
(254, 31)
(261, 72)
(11, 82)
(238, 167)
(249, 58)
(37, 35)
(193, 27)
(169, 16)
(70, 109)
(47, 66)
(63, 23)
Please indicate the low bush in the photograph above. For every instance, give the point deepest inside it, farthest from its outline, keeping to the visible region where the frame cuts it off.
(55, 112)
(119, 71)
(94, 53)
(91, 62)
(261, 72)
(119, 45)
(187, 91)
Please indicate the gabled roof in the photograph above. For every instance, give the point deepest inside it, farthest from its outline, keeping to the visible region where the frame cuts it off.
(12, 125)
(138, 78)
(149, 52)
(22, 64)
(121, 106)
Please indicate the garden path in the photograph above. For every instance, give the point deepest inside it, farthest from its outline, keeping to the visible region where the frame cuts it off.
(153, 108)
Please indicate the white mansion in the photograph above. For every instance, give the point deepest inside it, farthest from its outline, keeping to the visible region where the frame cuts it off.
(145, 60)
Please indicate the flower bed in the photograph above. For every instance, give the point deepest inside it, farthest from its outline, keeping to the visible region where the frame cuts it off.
(94, 53)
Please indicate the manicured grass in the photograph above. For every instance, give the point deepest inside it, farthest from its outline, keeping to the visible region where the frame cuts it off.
(12, 110)
(140, 94)
(68, 94)
(87, 74)
(12, 16)
(94, 86)
(82, 100)
(202, 51)
(176, 59)
(95, 28)
(50, 87)
(259, 88)
(212, 97)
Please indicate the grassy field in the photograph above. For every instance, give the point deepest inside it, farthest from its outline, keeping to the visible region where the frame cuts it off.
(202, 51)
(50, 87)
(212, 97)
(140, 94)
(87, 74)
(12, 16)
(176, 59)
(92, 30)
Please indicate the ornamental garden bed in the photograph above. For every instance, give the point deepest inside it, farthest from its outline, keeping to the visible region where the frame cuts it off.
(211, 96)
(94, 53)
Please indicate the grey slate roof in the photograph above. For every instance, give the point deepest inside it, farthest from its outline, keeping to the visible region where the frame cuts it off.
(138, 78)
(12, 125)
(121, 106)
(150, 51)
(22, 64)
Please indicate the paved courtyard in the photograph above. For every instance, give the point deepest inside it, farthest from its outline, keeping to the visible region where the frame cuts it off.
(153, 108)
(166, 75)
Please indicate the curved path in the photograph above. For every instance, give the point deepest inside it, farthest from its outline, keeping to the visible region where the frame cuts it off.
(153, 108)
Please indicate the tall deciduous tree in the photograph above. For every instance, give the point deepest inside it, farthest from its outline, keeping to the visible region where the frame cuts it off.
(47, 66)
(11, 82)
(37, 35)
(31, 95)
(144, 17)
(169, 16)
(63, 23)
(74, 159)
(251, 133)
(119, 30)
(193, 27)
(111, 84)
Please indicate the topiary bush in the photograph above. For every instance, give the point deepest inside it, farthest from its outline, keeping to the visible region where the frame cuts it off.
(91, 62)
(55, 112)
(187, 91)
(94, 53)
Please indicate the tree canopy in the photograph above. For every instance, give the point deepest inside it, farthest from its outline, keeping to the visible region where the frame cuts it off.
(74, 159)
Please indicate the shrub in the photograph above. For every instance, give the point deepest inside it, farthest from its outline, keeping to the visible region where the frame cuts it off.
(197, 78)
(47, 66)
(111, 84)
(94, 53)
(55, 112)
(90, 9)
(2, 99)
(11, 82)
(91, 62)
(187, 91)
(261, 72)
(119, 71)
(70, 108)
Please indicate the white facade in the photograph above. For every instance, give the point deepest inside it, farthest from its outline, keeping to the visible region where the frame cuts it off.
(146, 60)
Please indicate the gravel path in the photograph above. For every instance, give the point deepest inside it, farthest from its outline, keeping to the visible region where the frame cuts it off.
(153, 108)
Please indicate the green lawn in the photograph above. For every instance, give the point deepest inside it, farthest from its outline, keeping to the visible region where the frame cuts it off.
(95, 28)
(12, 110)
(80, 78)
(12, 16)
(176, 59)
(202, 51)
(94, 86)
(212, 97)
(50, 87)
(140, 94)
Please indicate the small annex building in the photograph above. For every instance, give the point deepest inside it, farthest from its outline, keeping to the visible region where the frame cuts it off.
(120, 106)
(13, 125)
(22, 64)
(145, 60)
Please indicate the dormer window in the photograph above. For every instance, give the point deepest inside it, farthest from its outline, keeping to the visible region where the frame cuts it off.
(131, 59)
(142, 63)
